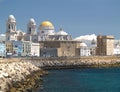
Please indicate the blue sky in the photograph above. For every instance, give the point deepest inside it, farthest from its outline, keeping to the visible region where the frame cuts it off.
(77, 17)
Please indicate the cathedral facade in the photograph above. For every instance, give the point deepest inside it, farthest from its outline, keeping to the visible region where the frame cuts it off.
(22, 43)
(46, 31)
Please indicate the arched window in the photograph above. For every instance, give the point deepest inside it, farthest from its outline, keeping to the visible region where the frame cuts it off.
(9, 26)
(29, 30)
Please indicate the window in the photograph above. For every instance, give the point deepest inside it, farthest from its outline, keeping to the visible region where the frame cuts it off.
(42, 31)
(16, 46)
(9, 26)
(29, 30)
(8, 38)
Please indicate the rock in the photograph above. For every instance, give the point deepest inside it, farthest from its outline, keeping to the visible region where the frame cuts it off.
(13, 75)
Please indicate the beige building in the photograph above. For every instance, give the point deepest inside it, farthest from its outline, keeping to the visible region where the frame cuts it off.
(61, 48)
(105, 45)
(9, 46)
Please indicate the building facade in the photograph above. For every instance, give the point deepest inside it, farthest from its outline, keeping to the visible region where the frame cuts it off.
(17, 48)
(105, 45)
(84, 50)
(35, 49)
(26, 46)
(9, 46)
(48, 52)
(59, 48)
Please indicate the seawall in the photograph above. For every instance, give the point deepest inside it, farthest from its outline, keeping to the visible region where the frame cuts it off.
(22, 74)
(74, 62)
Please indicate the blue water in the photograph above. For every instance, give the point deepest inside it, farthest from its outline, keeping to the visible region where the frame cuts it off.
(82, 80)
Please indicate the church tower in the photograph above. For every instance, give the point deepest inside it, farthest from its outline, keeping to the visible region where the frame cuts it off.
(11, 28)
(31, 27)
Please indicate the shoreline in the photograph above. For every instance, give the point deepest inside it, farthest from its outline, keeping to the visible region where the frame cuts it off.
(31, 83)
(81, 66)
(23, 74)
(19, 76)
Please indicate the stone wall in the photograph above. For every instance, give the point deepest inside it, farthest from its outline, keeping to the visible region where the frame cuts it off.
(65, 48)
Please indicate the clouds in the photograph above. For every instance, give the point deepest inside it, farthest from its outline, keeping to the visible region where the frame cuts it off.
(86, 37)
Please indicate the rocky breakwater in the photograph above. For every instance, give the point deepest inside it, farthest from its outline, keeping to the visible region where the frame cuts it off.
(76, 62)
(19, 76)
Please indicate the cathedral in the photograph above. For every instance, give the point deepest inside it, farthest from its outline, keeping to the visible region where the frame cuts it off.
(46, 31)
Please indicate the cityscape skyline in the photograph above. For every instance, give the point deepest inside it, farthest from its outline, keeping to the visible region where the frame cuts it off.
(80, 17)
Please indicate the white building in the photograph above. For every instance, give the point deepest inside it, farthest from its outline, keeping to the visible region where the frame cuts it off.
(26, 48)
(35, 49)
(116, 47)
(84, 50)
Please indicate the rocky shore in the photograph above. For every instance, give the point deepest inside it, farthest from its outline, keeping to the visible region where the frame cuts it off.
(19, 76)
(24, 74)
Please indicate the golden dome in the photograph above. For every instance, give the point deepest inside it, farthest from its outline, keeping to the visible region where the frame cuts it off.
(46, 24)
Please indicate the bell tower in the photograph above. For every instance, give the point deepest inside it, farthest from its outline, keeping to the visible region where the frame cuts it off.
(11, 24)
(11, 28)
(31, 27)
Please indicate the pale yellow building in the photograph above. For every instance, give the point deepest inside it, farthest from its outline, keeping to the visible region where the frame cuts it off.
(105, 45)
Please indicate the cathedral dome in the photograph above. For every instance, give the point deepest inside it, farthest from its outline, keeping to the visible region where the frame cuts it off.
(61, 32)
(46, 25)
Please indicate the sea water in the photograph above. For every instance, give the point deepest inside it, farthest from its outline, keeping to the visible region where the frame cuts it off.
(82, 80)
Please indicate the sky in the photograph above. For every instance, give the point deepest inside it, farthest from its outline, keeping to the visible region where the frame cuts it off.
(76, 17)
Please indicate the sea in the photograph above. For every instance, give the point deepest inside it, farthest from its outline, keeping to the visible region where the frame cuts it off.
(82, 80)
